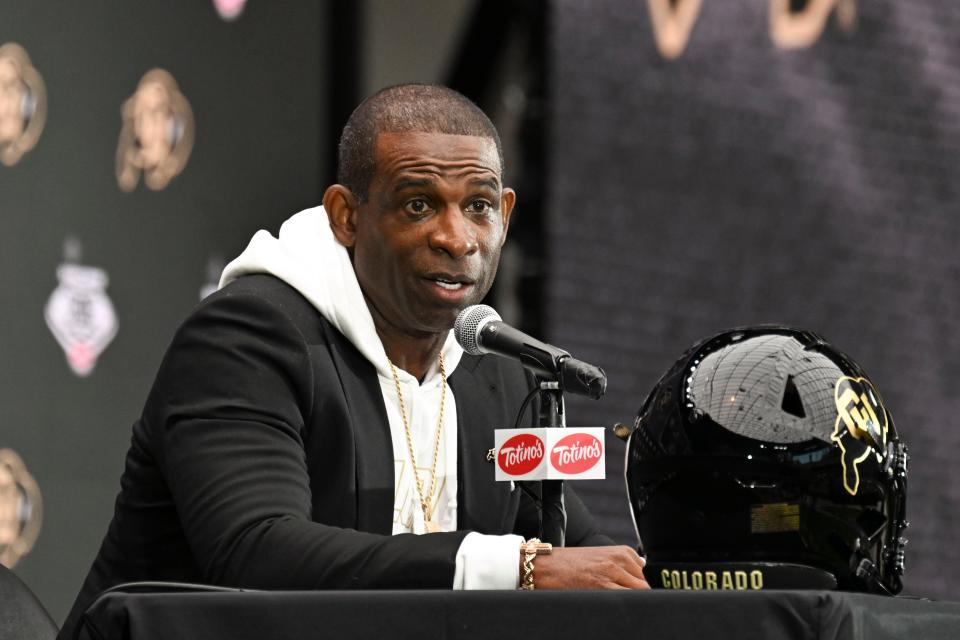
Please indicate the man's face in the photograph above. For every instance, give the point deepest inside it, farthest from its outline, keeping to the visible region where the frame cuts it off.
(428, 237)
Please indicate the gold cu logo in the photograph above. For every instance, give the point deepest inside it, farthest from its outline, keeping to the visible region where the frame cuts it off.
(23, 104)
(673, 21)
(20, 509)
(157, 134)
(860, 428)
(791, 26)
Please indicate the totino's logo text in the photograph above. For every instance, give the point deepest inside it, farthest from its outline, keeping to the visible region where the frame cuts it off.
(520, 454)
(576, 453)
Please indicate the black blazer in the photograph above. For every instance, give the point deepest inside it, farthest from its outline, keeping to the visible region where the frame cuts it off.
(263, 459)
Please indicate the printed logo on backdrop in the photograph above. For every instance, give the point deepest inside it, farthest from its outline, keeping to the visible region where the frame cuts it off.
(21, 509)
(157, 133)
(23, 104)
(79, 312)
(793, 24)
(229, 9)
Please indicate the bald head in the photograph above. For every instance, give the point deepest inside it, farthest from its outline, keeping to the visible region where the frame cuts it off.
(405, 108)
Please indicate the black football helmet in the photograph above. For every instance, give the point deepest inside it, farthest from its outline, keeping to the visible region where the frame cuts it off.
(765, 458)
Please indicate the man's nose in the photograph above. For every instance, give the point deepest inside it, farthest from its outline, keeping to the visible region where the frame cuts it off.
(454, 234)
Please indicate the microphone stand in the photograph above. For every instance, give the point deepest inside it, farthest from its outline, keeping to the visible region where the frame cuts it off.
(553, 513)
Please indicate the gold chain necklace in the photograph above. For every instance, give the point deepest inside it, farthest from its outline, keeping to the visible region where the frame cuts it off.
(425, 503)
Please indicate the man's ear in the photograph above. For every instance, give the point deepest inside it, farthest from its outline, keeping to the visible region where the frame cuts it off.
(341, 206)
(508, 198)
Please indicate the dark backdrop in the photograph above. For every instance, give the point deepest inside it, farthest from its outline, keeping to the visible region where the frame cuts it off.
(743, 182)
(257, 89)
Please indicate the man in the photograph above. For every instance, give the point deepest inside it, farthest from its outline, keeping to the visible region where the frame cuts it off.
(321, 386)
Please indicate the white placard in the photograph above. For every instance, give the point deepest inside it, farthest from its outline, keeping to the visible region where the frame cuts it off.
(571, 453)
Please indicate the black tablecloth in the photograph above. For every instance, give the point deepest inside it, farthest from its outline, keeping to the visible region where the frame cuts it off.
(504, 615)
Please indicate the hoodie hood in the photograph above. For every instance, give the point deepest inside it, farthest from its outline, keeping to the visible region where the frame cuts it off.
(307, 256)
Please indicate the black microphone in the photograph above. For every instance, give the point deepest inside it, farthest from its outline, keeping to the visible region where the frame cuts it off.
(479, 329)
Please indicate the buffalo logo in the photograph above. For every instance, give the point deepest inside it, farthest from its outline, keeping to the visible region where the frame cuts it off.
(229, 9)
(157, 134)
(860, 428)
(520, 454)
(21, 509)
(576, 453)
(23, 104)
(81, 316)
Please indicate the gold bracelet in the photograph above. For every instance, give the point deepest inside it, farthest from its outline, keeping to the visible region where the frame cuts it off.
(531, 549)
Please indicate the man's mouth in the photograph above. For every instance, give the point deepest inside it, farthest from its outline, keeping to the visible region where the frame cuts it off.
(450, 282)
(450, 285)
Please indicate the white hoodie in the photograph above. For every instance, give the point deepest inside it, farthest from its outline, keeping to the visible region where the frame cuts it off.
(307, 257)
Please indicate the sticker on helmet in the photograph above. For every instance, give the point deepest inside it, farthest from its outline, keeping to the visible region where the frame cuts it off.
(776, 517)
(860, 427)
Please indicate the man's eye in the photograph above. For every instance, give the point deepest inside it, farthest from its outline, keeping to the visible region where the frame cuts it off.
(479, 206)
(417, 207)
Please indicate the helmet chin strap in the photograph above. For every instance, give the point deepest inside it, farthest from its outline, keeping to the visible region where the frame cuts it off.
(871, 578)
(893, 556)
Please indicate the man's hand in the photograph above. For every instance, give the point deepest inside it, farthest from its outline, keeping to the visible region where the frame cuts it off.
(589, 568)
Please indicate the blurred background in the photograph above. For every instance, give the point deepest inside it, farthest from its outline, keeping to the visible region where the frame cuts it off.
(682, 167)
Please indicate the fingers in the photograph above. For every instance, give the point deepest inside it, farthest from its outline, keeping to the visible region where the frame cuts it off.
(631, 577)
(591, 568)
(632, 581)
(626, 569)
(627, 581)
(633, 564)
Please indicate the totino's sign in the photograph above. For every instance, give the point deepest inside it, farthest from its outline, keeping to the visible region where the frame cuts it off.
(549, 454)
(520, 455)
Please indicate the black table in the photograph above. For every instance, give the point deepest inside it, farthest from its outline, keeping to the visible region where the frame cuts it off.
(505, 615)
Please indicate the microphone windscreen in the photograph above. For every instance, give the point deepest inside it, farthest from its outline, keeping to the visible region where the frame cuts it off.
(465, 328)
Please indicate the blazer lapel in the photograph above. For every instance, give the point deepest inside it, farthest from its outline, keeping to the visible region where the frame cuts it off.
(483, 505)
(373, 445)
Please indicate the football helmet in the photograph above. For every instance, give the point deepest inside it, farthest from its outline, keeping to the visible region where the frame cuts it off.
(765, 458)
